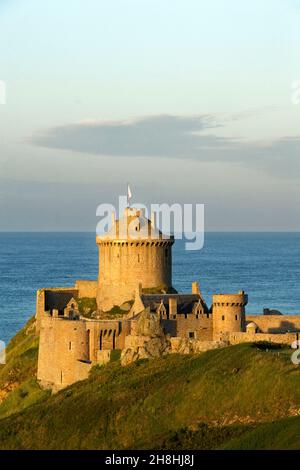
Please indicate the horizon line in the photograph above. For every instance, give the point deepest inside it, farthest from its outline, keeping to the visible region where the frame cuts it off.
(208, 231)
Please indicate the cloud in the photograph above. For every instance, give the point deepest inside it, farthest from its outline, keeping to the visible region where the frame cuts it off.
(157, 136)
(179, 137)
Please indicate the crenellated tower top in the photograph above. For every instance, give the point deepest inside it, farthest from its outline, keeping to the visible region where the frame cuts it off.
(133, 226)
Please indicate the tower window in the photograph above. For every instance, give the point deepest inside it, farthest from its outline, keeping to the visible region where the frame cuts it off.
(191, 334)
(70, 346)
(236, 317)
(223, 317)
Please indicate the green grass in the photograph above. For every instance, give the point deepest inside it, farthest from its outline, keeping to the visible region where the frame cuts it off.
(117, 310)
(21, 356)
(18, 386)
(87, 306)
(115, 355)
(163, 289)
(214, 400)
(23, 396)
(279, 435)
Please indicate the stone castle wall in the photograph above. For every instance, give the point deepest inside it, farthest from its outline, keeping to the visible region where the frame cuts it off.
(240, 337)
(106, 335)
(86, 288)
(190, 327)
(63, 352)
(276, 323)
(122, 265)
(40, 308)
(41, 303)
(69, 348)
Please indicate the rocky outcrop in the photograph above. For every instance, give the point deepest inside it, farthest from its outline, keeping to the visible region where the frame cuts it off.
(147, 339)
(194, 346)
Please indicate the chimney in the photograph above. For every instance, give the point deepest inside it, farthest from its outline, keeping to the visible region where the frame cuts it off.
(172, 306)
(55, 313)
(195, 288)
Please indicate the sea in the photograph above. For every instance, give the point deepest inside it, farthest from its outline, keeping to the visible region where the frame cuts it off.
(265, 265)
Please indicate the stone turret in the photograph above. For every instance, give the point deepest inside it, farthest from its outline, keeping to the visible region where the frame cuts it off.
(133, 251)
(229, 314)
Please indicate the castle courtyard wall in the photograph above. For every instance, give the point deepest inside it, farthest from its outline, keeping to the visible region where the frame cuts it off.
(276, 323)
(284, 338)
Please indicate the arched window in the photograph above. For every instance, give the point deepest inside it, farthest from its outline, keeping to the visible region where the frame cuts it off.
(161, 310)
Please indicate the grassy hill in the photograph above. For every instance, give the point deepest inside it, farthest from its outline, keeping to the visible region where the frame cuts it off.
(243, 397)
(18, 387)
(280, 435)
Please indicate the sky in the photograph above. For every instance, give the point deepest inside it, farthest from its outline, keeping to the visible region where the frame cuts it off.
(188, 100)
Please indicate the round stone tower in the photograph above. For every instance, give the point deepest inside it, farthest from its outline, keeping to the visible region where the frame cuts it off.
(133, 252)
(229, 314)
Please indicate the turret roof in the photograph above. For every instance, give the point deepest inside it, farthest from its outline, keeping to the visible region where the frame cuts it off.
(133, 226)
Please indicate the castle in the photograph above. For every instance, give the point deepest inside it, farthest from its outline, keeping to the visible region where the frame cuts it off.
(134, 310)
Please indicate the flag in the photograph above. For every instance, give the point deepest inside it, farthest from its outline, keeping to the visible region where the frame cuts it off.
(129, 193)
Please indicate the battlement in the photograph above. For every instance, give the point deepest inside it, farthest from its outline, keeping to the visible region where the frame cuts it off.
(133, 225)
(115, 242)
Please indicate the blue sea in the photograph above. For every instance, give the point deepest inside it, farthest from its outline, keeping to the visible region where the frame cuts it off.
(265, 265)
